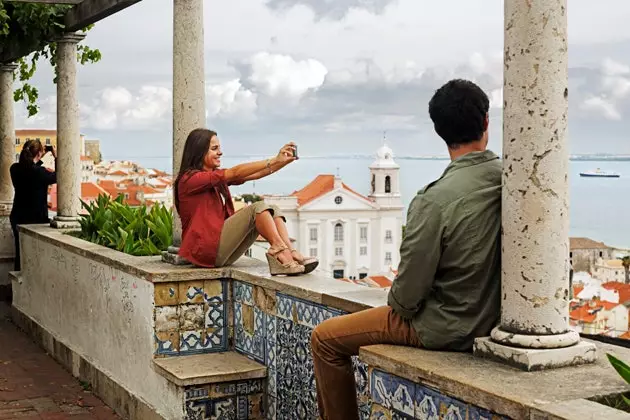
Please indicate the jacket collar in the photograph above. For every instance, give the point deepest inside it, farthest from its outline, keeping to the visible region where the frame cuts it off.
(470, 159)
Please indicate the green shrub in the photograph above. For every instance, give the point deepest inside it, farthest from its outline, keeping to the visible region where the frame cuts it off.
(624, 371)
(132, 230)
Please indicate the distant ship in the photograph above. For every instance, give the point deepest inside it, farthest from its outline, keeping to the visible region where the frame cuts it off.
(598, 173)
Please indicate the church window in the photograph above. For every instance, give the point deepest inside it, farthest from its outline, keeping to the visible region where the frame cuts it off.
(338, 199)
(313, 234)
(388, 184)
(363, 233)
(388, 258)
(388, 236)
(338, 232)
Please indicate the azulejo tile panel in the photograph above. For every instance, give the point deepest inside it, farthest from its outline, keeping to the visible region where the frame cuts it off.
(397, 398)
(190, 317)
(227, 401)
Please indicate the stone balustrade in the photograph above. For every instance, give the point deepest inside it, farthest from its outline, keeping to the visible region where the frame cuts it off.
(163, 341)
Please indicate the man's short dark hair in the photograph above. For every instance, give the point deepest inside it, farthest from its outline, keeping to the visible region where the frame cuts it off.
(458, 111)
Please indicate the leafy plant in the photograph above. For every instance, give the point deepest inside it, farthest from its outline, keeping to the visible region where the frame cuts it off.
(625, 262)
(34, 27)
(624, 371)
(132, 230)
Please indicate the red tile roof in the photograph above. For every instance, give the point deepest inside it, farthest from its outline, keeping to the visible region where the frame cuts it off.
(625, 336)
(118, 173)
(321, 185)
(577, 289)
(621, 288)
(30, 131)
(86, 158)
(381, 281)
(583, 314)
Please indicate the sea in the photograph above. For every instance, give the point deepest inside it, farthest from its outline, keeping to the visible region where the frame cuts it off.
(599, 207)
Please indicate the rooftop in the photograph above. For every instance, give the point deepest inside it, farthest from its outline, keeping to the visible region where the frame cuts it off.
(321, 185)
(586, 243)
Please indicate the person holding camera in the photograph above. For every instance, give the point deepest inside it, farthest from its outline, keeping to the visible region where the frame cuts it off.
(213, 235)
(30, 181)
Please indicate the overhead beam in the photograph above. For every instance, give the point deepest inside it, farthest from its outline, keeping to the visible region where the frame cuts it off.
(47, 1)
(91, 11)
(83, 14)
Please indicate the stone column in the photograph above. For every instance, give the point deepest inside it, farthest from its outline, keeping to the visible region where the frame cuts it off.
(7, 153)
(534, 332)
(189, 91)
(68, 164)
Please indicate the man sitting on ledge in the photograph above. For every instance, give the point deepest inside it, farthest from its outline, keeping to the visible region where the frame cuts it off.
(447, 291)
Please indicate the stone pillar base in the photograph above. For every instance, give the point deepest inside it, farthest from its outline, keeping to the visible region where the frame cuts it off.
(534, 359)
(64, 222)
(171, 256)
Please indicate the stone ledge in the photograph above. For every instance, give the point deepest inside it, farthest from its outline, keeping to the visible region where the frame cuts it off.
(209, 368)
(314, 287)
(497, 387)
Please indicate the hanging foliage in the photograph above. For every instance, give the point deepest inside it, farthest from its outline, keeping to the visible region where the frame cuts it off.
(32, 27)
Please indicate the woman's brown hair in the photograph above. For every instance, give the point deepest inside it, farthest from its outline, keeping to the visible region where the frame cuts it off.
(195, 149)
(30, 150)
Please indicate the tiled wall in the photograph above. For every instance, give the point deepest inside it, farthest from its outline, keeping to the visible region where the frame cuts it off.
(275, 329)
(242, 400)
(397, 398)
(190, 317)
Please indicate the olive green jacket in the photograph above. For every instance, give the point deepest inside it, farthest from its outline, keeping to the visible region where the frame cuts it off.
(449, 278)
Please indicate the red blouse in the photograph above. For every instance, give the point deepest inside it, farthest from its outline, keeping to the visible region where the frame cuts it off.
(204, 204)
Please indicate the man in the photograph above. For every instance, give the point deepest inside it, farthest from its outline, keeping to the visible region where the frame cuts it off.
(447, 291)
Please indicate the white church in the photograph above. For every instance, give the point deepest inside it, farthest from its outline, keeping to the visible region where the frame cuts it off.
(352, 235)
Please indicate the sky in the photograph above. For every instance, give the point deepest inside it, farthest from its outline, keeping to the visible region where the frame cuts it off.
(333, 75)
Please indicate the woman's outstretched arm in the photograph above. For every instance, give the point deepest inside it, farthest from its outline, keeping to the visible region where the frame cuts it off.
(255, 170)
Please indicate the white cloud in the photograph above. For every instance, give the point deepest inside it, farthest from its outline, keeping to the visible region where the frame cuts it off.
(230, 99)
(611, 67)
(602, 106)
(281, 75)
(496, 98)
(116, 107)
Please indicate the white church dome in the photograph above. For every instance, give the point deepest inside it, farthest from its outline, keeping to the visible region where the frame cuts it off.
(384, 158)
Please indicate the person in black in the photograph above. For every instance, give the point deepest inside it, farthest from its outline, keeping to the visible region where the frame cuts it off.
(30, 181)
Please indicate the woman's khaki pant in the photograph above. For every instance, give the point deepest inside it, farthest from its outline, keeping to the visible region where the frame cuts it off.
(239, 232)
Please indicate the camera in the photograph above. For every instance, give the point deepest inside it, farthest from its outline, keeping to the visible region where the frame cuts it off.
(295, 155)
(48, 149)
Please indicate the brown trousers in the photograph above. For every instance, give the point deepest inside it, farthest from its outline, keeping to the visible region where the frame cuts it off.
(239, 232)
(334, 342)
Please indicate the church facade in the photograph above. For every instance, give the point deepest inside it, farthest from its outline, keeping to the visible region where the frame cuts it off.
(353, 236)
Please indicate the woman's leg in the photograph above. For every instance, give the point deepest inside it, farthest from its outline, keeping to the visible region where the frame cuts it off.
(268, 229)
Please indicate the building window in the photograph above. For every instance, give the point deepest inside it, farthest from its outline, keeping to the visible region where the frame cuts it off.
(338, 232)
(388, 236)
(17, 141)
(338, 251)
(313, 234)
(338, 199)
(362, 275)
(388, 184)
(338, 274)
(363, 233)
(388, 258)
(570, 254)
(48, 142)
(601, 254)
(312, 252)
(363, 250)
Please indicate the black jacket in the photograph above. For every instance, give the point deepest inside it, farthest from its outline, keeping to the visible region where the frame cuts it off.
(30, 204)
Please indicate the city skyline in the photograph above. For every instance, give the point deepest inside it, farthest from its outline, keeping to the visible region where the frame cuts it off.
(333, 77)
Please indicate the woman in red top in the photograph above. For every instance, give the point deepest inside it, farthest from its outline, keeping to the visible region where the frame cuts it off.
(213, 235)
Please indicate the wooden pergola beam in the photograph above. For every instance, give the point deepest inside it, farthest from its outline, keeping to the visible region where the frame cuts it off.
(91, 11)
(84, 13)
(47, 1)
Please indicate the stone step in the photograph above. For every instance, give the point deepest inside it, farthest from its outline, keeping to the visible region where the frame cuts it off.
(209, 368)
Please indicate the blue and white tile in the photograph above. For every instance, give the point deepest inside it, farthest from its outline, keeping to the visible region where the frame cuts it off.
(196, 393)
(253, 345)
(392, 392)
(243, 292)
(215, 339)
(308, 313)
(215, 316)
(271, 407)
(427, 403)
(191, 341)
(453, 409)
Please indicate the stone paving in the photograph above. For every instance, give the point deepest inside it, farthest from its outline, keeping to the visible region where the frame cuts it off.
(34, 386)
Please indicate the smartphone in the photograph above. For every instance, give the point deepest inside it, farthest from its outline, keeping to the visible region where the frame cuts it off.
(48, 149)
(295, 155)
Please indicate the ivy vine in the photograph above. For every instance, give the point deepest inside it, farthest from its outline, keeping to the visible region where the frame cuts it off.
(35, 26)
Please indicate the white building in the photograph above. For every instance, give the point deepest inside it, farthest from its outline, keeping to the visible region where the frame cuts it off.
(352, 235)
(609, 271)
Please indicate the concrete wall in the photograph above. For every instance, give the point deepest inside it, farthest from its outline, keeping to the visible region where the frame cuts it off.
(99, 312)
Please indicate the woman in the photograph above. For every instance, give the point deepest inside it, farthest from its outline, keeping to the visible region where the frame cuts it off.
(30, 181)
(212, 234)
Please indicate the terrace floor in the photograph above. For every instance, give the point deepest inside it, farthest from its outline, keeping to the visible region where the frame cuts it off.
(34, 386)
